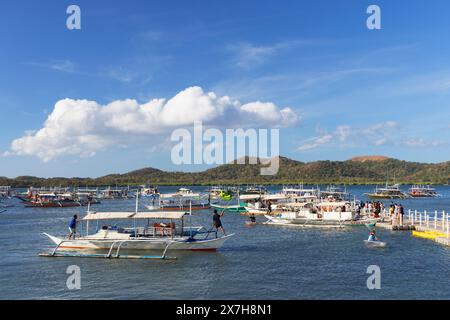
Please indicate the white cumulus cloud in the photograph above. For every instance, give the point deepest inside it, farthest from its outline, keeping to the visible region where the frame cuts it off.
(83, 127)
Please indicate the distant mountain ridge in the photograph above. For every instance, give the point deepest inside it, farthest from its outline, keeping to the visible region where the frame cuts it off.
(358, 170)
(369, 158)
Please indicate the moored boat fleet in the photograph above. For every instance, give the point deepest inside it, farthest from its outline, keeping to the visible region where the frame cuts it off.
(292, 205)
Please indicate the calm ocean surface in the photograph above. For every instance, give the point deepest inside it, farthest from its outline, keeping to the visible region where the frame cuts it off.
(261, 262)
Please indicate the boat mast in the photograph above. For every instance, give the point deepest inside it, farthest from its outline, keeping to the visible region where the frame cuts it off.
(190, 218)
(136, 211)
(87, 222)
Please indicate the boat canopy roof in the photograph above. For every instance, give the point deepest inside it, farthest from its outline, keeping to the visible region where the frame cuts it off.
(134, 215)
(249, 196)
(160, 215)
(274, 197)
(108, 215)
(179, 195)
(297, 204)
(332, 204)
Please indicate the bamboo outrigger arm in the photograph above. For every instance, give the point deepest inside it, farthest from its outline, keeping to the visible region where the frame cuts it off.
(109, 255)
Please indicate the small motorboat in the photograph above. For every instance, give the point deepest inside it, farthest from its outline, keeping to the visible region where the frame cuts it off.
(250, 223)
(375, 244)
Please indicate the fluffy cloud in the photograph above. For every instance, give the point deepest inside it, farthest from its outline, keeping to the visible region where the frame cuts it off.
(83, 127)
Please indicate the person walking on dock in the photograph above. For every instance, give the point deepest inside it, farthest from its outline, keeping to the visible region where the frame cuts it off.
(217, 223)
(401, 212)
(391, 212)
(395, 217)
(73, 227)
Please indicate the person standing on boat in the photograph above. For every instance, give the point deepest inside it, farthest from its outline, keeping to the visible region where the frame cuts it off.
(269, 206)
(217, 223)
(73, 227)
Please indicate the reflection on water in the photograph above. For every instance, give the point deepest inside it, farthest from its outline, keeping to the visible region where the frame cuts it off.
(260, 262)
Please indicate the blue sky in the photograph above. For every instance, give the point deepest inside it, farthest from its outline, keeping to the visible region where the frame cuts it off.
(354, 91)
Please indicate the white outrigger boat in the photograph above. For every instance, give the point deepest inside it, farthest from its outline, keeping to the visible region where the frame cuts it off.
(388, 192)
(323, 214)
(156, 236)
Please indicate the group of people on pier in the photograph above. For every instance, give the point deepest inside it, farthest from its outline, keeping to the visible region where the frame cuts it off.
(394, 212)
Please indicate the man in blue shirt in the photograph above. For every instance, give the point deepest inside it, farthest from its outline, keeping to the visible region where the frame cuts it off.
(73, 227)
(372, 236)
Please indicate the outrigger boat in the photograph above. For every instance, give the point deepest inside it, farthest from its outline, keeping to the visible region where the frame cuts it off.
(323, 214)
(6, 192)
(53, 200)
(259, 205)
(300, 192)
(418, 191)
(239, 208)
(254, 190)
(336, 193)
(147, 191)
(180, 202)
(115, 194)
(217, 192)
(388, 192)
(156, 236)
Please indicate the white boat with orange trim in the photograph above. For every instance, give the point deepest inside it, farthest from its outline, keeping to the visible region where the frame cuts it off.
(149, 236)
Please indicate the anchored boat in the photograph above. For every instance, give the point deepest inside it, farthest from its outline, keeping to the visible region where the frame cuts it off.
(323, 214)
(186, 201)
(419, 191)
(388, 192)
(172, 234)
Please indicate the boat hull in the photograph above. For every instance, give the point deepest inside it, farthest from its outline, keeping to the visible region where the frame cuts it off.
(231, 208)
(140, 244)
(379, 196)
(186, 208)
(375, 244)
(58, 204)
(306, 222)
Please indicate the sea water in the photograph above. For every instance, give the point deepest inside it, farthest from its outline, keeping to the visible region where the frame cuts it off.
(259, 262)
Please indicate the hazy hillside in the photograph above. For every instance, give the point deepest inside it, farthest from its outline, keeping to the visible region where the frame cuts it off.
(371, 169)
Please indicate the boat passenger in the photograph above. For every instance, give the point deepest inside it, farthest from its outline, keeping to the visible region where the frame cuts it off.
(372, 236)
(252, 218)
(73, 227)
(217, 223)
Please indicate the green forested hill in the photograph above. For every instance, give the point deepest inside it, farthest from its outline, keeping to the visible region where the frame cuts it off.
(358, 170)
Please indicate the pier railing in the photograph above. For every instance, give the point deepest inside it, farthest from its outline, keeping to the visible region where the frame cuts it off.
(438, 221)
